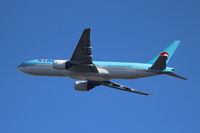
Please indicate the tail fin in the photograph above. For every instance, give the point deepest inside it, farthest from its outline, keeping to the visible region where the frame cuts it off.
(160, 61)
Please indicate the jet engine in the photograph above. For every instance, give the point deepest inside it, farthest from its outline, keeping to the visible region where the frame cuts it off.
(61, 64)
(83, 86)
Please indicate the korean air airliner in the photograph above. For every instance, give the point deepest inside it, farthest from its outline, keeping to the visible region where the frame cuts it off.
(91, 73)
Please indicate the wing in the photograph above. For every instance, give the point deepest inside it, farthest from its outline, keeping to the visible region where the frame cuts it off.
(82, 53)
(117, 86)
(82, 56)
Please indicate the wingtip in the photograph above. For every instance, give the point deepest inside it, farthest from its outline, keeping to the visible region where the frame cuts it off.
(144, 93)
(87, 29)
(177, 41)
(148, 94)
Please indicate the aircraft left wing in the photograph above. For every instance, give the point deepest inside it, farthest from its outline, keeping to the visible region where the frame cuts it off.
(117, 86)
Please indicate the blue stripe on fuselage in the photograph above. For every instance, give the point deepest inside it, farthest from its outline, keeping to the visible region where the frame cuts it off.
(40, 61)
(122, 64)
(143, 66)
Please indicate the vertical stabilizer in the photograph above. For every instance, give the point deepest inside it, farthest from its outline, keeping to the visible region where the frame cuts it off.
(166, 54)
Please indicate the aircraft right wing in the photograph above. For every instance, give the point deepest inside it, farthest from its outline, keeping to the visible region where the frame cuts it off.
(83, 51)
(117, 86)
(81, 59)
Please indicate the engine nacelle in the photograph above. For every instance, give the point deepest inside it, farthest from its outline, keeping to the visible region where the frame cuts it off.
(82, 86)
(61, 64)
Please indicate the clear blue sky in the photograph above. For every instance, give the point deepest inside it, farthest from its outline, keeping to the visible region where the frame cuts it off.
(122, 30)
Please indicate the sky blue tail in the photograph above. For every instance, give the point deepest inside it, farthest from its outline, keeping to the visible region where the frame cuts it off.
(159, 62)
(168, 52)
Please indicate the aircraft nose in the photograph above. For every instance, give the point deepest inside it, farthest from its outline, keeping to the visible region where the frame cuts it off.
(19, 67)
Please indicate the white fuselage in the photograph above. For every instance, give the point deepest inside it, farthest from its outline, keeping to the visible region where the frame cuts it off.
(106, 70)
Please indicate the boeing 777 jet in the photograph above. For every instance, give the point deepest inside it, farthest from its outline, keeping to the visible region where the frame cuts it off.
(94, 73)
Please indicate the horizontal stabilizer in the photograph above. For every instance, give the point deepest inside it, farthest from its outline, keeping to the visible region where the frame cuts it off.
(175, 75)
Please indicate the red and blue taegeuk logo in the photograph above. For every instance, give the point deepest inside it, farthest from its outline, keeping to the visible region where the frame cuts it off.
(164, 54)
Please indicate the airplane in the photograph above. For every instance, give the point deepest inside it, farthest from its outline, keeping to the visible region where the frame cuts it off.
(91, 73)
